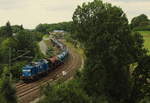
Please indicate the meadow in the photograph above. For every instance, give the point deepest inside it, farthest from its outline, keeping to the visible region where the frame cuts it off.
(146, 36)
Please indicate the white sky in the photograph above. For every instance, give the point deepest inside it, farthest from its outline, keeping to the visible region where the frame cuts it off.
(30, 13)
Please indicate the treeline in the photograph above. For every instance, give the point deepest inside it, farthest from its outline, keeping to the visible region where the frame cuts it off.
(140, 23)
(46, 28)
(116, 69)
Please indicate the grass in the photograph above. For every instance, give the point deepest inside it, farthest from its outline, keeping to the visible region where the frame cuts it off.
(146, 36)
(78, 50)
(46, 36)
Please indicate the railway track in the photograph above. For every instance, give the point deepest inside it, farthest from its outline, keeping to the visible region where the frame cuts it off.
(28, 92)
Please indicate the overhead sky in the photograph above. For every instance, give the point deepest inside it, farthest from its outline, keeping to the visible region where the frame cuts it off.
(33, 12)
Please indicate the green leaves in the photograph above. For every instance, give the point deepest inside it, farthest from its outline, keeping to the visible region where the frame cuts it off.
(64, 93)
(6, 31)
(139, 21)
(46, 28)
(110, 48)
(141, 79)
(7, 91)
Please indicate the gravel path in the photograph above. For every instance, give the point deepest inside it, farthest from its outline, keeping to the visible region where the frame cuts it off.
(43, 47)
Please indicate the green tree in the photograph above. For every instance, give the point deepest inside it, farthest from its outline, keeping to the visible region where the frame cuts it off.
(6, 31)
(139, 21)
(64, 93)
(145, 100)
(41, 28)
(6, 45)
(110, 49)
(16, 69)
(17, 28)
(7, 90)
(26, 43)
(141, 80)
(46, 28)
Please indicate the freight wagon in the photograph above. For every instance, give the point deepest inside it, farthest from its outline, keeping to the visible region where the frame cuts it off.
(42, 67)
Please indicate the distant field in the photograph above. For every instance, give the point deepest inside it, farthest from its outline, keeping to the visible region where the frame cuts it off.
(146, 36)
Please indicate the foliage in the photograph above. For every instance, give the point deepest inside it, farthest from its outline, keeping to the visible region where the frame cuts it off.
(37, 35)
(64, 93)
(17, 28)
(141, 80)
(7, 90)
(68, 37)
(6, 31)
(18, 48)
(26, 42)
(46, 28)
(38, 53)
(16, 69)
(23, 42)
(110, 48)
(50, 52)
(145, 100)
(140, 21)
(146, 36)
(5, 49)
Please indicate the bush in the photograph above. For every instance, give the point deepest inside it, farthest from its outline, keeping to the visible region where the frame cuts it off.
(16, 69)
(64, 93)
(50, 52)
(7, 91)
(145, 100)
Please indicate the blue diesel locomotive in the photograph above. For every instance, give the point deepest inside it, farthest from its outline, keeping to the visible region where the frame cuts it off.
(42, 67)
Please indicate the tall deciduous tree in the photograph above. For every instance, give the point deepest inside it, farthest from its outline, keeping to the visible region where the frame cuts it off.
(110, 49)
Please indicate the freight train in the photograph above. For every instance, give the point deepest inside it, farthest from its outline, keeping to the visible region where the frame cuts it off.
(35, 70)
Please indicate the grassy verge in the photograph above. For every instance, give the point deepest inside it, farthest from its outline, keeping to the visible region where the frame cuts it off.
(78, 50)
(146, 36)
(45, 36)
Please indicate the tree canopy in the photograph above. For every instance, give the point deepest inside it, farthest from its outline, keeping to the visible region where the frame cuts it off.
(110, 49)
(46, 28)
(7, 90)
(22, 47)
(139, 21)
(64, 93)
(6, 31)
